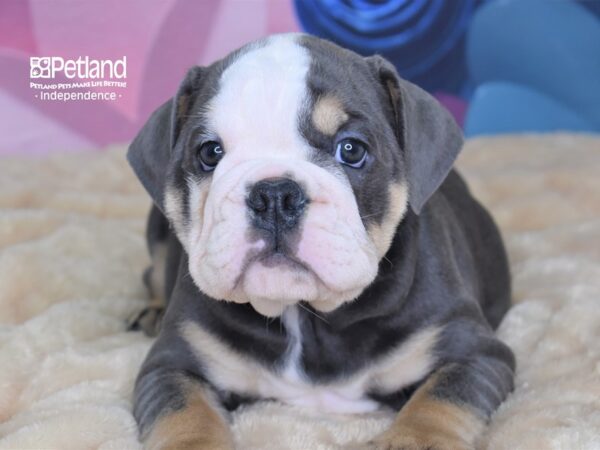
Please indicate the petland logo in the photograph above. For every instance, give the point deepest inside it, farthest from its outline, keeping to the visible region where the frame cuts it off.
(53, 78)
(82, 67)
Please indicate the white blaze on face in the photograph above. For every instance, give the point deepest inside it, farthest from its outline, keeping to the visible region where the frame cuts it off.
(255, 114)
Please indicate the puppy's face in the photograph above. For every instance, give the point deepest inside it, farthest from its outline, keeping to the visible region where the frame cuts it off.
(285, 181)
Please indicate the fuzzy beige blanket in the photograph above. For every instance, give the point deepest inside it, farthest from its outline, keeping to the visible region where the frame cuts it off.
(72, 251)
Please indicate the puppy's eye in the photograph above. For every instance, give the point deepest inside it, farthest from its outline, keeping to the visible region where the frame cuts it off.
(209, 154)
(351, 152)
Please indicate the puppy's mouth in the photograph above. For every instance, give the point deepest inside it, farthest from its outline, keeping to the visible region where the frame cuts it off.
(271, 259)
(271, 280)
(277, 250)
(277, 258)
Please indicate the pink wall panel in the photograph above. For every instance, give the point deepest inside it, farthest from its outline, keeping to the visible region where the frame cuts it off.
(160, 38)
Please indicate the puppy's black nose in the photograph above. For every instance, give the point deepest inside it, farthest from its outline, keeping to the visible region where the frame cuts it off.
(277, 204)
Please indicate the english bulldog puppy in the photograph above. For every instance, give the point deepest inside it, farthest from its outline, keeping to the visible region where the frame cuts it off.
(313, 246)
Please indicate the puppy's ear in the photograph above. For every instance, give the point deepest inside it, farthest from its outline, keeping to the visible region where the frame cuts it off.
(150, 152)
(429, 137)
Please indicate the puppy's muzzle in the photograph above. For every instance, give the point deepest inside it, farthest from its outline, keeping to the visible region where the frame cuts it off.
(276, 206)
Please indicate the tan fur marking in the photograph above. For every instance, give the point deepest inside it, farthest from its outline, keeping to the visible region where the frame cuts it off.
(410, 362)
(174, 211)
(328, 114)
(226, 367)
(426, 422)
(230, 370)
(175, 208)
(199, 425)
(383, 233)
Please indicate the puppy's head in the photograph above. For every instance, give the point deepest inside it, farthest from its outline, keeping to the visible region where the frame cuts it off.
(286, 167)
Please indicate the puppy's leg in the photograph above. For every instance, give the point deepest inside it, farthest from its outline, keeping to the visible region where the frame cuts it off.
(161, 243)
(450, 410)
(177, 412)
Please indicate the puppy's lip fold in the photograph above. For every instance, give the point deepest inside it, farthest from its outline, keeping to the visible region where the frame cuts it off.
(278, 258)
(271, 258)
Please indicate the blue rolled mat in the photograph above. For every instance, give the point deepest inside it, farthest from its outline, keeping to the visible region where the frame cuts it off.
(501, 107)
(423, 38)
(537, 65)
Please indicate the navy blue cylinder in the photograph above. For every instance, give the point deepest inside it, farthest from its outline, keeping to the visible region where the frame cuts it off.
(423, 38)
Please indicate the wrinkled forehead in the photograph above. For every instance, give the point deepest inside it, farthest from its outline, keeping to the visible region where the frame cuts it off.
(260, 96)
(271, 89)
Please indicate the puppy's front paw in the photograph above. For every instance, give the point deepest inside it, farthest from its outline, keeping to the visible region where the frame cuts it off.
(409, 437)
(428, 422)
(148, 320)
(192, 444)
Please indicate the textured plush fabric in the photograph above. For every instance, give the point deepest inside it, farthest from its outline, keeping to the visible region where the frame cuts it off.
(72, 251)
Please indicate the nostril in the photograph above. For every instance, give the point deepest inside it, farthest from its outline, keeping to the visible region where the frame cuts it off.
(258, 201)
(276, 202)
(262, 203)
(293, 202)
(290, 202)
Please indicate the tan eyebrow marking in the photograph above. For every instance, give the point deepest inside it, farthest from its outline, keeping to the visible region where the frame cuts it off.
(328, 115)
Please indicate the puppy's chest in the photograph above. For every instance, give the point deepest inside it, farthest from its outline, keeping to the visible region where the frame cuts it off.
(289, 381)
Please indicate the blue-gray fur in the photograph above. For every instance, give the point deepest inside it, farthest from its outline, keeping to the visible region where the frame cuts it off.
(446, 265)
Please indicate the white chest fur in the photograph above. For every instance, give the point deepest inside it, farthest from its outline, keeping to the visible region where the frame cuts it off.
(232, 371)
